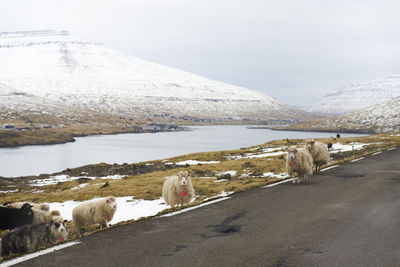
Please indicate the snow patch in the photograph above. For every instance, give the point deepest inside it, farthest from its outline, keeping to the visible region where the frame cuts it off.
(66, 178)
(281, 175)
(127, 208)
(195, 162)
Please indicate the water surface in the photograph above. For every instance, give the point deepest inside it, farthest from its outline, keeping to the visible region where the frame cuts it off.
(130, 148)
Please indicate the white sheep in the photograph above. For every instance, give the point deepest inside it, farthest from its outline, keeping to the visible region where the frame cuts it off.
(178, 189)
(99, 211)
(319, 152)
(41, 216)
(299, 162)
(18, 205)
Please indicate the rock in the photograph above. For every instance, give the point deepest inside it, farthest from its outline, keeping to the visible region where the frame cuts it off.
(200, 173)
(225, 176)
(257, 172)
(247, 164)
(105, 185)
(83, 180)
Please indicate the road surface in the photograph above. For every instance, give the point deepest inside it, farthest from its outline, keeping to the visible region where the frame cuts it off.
(345, 216)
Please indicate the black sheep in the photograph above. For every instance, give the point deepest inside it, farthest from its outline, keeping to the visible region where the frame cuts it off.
(11, 218)
(329, 145)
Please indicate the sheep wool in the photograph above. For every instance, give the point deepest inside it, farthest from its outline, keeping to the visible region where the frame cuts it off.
(178, 189)
(319, 152)
(299, 163)
(99, 211)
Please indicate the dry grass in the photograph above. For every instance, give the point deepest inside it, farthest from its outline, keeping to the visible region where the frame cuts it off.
(148, 186)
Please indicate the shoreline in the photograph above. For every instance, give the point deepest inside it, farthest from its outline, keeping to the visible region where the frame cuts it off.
(56, 136)
(346, 131)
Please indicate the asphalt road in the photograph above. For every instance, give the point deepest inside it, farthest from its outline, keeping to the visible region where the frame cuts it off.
(346, 216)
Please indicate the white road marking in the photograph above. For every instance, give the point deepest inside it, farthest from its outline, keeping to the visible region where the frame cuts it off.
(194, 207)
(331, 167)
(278, 183)
(376, 153)
(37, 254)
(393, 148)
(354, 160)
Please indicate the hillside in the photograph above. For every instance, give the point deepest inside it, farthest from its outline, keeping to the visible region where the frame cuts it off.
(357, 96)
(88, 75)
(380, 118)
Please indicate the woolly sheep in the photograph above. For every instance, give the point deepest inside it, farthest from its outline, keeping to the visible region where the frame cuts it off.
(299, 162)
(29, 238)
(319, 152)
(40, 216)
(11, 218)
(42, 206)
(178, 189)
(99, 211)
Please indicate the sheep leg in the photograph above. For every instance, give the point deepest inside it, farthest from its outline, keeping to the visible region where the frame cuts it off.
(104, 224)
(78, 231)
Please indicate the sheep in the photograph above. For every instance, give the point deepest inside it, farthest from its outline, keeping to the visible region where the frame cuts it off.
(99, 211)
(13, 217)
(299, 162)
(40, 216)
(42, 206)
(319, 152)
(178, 189)
(29, 238)
(329, 145)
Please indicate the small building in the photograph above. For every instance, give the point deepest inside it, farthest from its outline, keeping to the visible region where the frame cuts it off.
(152, 127)
(9, 127)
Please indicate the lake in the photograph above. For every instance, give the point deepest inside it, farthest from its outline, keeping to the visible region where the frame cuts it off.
(130, 148)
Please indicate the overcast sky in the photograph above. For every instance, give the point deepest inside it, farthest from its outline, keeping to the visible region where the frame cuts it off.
(293, 50)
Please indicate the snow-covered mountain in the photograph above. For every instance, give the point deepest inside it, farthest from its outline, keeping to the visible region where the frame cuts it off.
(59, 67)
(380, 118)
(357, 96)
(23, 109)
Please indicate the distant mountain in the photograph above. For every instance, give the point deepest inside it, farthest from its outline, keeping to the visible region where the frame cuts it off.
(20, 108)
(357, 96)
(380, 118)
(61, 68)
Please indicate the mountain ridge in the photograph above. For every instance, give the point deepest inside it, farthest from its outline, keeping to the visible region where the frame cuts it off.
(357, 96)
(84, 74)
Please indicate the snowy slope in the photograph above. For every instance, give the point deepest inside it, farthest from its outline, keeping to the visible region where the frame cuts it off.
(60, 67)
(380, 118)
(13, 100)
(20, 107)
(358, 96)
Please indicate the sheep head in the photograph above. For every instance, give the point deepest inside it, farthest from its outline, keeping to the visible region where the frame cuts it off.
(309, 144)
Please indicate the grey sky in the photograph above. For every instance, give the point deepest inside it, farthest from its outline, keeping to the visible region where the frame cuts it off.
(293, 50)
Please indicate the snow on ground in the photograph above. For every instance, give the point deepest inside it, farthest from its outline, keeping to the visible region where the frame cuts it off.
(263, 155)
(128, 208)
(9, 191)
(66, 178)
(338, 147)
(274, 175)
(79, 186)
(232, 173)
(266, 152)
(195, 162)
